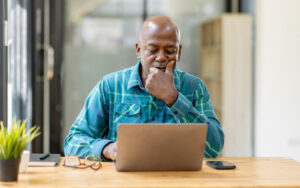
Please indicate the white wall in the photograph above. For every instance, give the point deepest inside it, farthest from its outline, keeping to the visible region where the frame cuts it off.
(277, 110)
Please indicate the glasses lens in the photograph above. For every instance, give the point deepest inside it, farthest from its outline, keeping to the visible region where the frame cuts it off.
(72, 161)
(93, 161)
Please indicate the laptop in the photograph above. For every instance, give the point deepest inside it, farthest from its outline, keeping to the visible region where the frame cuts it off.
(160, 147)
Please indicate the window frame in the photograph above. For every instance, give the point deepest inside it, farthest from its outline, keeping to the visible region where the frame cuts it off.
(3, 63)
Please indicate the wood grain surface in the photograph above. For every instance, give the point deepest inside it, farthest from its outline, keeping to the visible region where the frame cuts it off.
(250, 172)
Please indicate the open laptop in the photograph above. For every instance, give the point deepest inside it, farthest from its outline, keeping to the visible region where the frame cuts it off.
(160, 147)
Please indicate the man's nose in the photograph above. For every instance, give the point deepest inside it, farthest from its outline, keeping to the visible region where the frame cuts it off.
(161, 57)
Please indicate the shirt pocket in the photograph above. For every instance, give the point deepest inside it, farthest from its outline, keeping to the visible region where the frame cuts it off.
(127, 113)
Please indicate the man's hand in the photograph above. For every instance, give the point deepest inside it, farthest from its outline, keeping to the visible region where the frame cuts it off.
(110, 151)
(161, 84)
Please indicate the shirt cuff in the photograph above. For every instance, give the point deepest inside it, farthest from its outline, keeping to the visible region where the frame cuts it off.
(181, 109)
(97, 150)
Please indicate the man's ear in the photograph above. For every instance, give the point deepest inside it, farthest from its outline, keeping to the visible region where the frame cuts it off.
(138, 50)
(179, 52)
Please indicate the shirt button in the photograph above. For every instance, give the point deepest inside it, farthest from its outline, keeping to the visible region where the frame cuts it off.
(153, 118)
(154, 98)
(175, 112)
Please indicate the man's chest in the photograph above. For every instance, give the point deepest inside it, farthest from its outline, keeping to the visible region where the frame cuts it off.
(142, 109)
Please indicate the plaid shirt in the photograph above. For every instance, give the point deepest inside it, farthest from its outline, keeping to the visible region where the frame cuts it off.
(120, 97)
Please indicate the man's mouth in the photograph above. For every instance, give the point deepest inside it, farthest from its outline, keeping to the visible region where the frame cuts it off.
(162, 68)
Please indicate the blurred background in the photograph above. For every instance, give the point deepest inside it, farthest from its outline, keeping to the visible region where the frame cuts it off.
(53, 52)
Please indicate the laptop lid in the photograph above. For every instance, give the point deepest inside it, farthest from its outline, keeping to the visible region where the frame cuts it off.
(160, 147)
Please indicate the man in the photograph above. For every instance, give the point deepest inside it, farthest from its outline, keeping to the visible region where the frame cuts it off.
(151, 91)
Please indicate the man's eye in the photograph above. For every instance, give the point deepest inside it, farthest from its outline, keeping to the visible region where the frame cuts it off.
(170, 51)
(152, 51)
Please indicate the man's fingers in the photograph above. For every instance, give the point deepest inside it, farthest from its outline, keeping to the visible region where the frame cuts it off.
(115, 148)
(114, 157)
(114, 151)
(153, 70)
(169, 68)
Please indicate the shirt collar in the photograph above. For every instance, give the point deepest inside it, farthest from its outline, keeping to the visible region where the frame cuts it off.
(135, 79)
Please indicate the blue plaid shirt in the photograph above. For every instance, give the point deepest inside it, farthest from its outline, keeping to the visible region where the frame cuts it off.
(120, 97)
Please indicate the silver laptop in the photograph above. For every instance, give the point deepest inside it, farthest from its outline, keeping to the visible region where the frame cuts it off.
(160, 147)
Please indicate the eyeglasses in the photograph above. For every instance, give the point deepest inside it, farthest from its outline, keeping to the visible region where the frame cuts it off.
(92, 161)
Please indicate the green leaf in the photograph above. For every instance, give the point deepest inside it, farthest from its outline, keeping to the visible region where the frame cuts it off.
(15, 140)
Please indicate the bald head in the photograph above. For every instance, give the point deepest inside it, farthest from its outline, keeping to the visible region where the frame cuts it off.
(159, 24)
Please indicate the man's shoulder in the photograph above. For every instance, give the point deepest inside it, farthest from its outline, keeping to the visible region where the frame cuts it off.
(187, 78)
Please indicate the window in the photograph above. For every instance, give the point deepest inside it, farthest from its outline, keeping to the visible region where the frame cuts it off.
(18, 69)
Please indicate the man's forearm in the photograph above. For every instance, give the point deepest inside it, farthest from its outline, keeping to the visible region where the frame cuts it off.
(81, 146)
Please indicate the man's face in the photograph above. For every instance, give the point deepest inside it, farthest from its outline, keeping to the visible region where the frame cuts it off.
(157, 47)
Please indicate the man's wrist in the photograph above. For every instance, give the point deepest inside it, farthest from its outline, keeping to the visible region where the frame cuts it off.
(171, 100)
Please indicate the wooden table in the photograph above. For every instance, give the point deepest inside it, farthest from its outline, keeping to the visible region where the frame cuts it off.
(250, 172)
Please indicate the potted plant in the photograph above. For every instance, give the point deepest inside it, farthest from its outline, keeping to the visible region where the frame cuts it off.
(12, 144)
